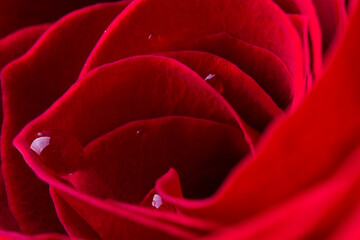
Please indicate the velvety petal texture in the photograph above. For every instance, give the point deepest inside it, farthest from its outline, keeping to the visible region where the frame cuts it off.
(12, 47)
(27, 91)
(304, 173)
(18, 14)
(155, 119)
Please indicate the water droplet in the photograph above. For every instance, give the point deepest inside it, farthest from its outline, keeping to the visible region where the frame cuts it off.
(160, 204)
(210, 76)
(216, 82)
(157, 201)
(58, 151)
(139, 132)
(154, 38)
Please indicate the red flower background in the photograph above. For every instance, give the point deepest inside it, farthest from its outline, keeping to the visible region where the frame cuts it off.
(199, 119)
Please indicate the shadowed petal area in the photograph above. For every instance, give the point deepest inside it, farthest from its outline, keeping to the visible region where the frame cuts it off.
(74, 225)
(307, 9)
(30, 85)
(16, 44)
(332, 17)
(124, 164)
(108, 224)
(11, 47)
(17, 14)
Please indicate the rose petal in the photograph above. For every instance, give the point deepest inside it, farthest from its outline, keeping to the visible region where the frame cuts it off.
(7, 220)
(16, 44)
(124, 164)
(348, 228)
(301, 24)
(17, 14)
(315, 213)
(306, 8)
(266, 68)
(303, 149)
(242, 92)
(75, 225)
(109, 225)
(12, 47)
(175, 90)
(332, 17)
(111, 218)
(143, 28)
(163, 87)
(18, 236)
(27, 92)
(169, 184)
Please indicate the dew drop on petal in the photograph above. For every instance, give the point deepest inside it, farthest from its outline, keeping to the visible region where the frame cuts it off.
(153, 38)
(58, 151)
(216, 82)
(157, 201)
(210, 76)
(160, 204)
(139, 132)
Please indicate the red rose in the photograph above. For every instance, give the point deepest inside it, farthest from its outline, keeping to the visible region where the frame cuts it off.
(181, 119)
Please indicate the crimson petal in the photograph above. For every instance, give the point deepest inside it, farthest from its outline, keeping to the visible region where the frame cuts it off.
(241, 91)
(268, 70)
(308, 146)
(124, 164)
(143, 28)
(17, 14)
(315, 213)
(332, 17)
(163, 87)
(27, 92)
(306, 8)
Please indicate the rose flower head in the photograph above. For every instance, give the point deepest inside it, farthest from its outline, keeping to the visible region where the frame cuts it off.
(184, 119)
